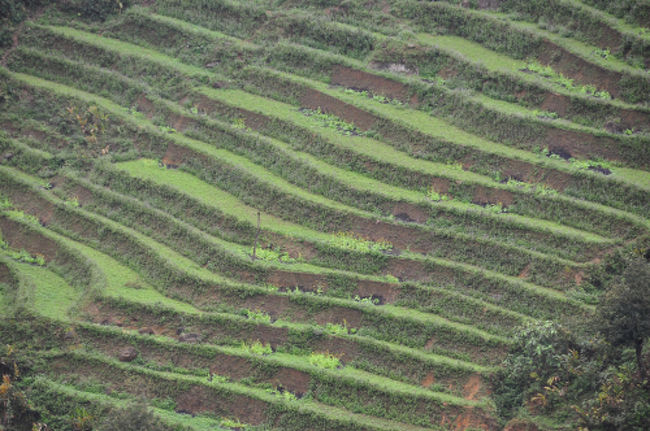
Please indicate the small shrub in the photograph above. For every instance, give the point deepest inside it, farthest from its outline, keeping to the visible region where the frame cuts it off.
(324, 360)
(435, 196)
(269, 255)
(233, 423)
(258, 315)
(356, 242)
(339, 329)
(332, 122)
(258, 348)
(496, 208)
(82, 420)
(369, 301)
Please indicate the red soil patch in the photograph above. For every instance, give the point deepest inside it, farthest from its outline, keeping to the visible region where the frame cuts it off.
(83, 195)
(474, 419)
(428, 380)
(580, 70)
(199, 399)
(275, 306)
(145, 106)
(523, 171)
(30, 203)
(340, 315)
(485, 195)
(405, 269)
(525, 272)
(293, 248)
(408, 212)
(557, 103)
(346, 350)
(313, 99)
(578, 277)
(386, 293)
(180, 122)
(473, 387)
(357, 79)
(195, 399)
(232, 366)
(176, 155)
(302, 280)
(295, 381)
(578, 144)
(20, 238)
(631, 119)
(174, 326)
(430, 343)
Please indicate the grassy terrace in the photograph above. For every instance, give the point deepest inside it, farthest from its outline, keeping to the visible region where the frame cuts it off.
(459, 50)
(622, 174)
(266, 177)
(307, 215)
(369, 319)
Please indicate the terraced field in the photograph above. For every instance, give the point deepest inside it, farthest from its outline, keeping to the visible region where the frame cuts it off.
(312, 215)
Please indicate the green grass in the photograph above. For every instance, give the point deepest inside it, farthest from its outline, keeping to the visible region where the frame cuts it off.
(214, 197)
(381, 152)
(585, 50)
(183, 264)
(157, 286)
(6, 305)
(191, 422)
(319, 410)
(131, 50)
(357, 181)
(123, 282)
(386, 153)
(47, 293)
(475, 53)
(144, 13)
(211, 195)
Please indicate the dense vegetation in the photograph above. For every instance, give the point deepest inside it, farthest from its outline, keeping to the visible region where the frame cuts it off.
(319, 215)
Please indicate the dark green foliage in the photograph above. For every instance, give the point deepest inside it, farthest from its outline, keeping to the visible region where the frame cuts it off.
(625, 311)
(592, 380)
(540, 352)
(16, 413)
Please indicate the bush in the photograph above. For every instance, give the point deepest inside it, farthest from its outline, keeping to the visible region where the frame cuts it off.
(96, 10)
(136, 417)
(537, 359)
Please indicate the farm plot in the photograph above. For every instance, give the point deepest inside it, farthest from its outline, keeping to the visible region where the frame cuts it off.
(295, 215)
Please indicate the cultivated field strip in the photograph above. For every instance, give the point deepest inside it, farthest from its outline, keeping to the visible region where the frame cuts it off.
(297, 216)
(585, 185)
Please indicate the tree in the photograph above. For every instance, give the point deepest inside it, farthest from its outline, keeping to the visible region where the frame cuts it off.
(625, 311)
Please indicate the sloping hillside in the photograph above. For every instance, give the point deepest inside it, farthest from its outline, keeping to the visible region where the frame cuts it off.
(310, 215)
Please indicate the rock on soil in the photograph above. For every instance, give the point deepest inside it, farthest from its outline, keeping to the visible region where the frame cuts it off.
(128, 354)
